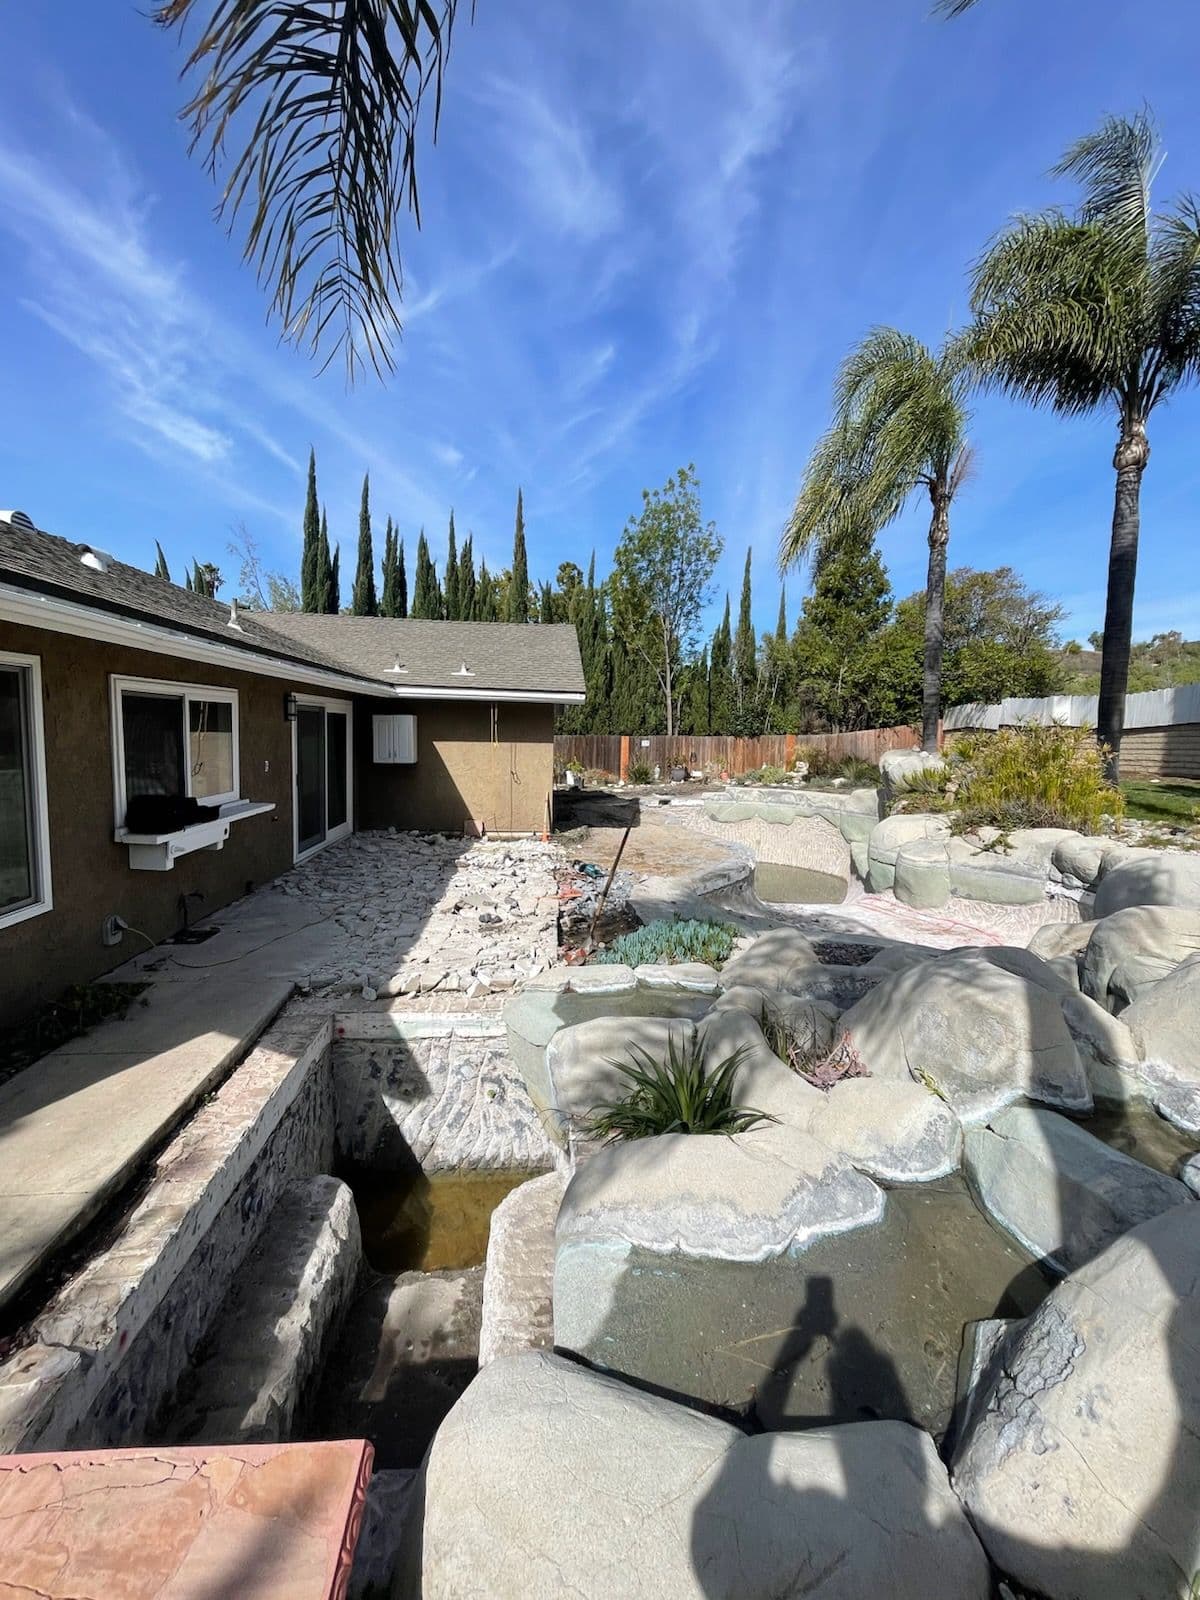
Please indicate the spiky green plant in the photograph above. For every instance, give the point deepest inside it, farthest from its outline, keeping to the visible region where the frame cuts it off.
(640, 772)
(707, 942)
(675, 1095)
(1034, 777)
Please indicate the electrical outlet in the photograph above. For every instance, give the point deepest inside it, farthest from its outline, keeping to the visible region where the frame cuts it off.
(111, 931)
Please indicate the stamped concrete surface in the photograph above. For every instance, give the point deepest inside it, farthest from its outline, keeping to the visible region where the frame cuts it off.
(258, 1522)
(77, 1123)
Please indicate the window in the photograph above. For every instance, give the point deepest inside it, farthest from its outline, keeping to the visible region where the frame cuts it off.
(24, 832)
(174, 740)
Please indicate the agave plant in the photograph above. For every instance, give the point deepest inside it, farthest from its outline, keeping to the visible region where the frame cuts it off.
(675, 1095)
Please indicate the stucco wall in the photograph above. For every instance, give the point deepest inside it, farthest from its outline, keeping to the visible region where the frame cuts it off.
(462, 773)
(91, 873)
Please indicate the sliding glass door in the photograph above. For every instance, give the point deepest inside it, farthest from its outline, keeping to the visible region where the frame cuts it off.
(324, 782)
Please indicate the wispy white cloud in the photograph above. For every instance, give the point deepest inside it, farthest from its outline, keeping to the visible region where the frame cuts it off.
(449, 455)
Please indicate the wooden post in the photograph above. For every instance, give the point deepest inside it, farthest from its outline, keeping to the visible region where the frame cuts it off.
(789, 751)
(624, 772)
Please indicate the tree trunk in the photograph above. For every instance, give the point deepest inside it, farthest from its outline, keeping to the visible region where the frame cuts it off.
(1132, 454)
(935, 605)
(669, 684)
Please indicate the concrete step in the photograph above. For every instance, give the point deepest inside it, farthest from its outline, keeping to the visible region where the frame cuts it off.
(271, 1331)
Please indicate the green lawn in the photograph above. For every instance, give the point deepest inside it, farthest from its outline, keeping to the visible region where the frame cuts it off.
(1176, 801)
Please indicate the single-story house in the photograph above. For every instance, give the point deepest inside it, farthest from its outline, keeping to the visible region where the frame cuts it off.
(157, 746)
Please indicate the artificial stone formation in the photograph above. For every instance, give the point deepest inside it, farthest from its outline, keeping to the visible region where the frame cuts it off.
(583, 1063)
(1057, 1189)
(979, 1035)
(897, 767)
(621, 1495)
(1165, 1026)
(1080, 1462)
(998, 872)
(1152, 939)
(894, 1131)
(744, 1197)
(922, 874)
(773, 961)
(519, 1277)
(1080, 860)
(269, 1335)
(1149, 878)
(886, 839)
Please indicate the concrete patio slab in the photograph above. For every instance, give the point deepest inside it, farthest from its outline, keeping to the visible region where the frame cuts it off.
(75, 1124)
(258, 1522)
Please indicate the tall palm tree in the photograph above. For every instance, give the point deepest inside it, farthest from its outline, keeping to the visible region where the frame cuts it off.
(1099, 310)
(900, 426)
(319, 105)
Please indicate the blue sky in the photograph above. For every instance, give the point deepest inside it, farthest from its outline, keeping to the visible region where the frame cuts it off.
(650, 232)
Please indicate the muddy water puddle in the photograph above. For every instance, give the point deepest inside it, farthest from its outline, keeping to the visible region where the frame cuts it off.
(1137, 1130)
(860, 1325)
(428, 1223)
(778, 884)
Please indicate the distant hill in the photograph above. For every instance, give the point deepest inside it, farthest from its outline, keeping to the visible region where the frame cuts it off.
(1163, 662)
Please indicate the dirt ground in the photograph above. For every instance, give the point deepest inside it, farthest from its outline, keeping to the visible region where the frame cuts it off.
(589, 824)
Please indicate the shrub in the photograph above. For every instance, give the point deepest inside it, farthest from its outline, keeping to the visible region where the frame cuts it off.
(710, 942)
(856, 770)
(640, 772)
(1033, 777)
(678, 1095)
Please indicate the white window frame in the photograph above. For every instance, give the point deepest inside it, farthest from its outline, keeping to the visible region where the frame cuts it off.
(168, 689)
(345, 829)
(40, 832)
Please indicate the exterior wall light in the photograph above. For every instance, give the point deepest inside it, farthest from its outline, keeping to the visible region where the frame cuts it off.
(289, 708)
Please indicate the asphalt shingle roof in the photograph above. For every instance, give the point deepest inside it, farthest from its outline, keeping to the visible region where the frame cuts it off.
(511, 658)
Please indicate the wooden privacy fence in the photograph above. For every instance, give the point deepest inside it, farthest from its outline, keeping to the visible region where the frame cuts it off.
(612, 753)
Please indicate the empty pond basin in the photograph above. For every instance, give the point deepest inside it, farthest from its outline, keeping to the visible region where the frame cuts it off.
(780, 884)
(860, 1325)
(428, 1222)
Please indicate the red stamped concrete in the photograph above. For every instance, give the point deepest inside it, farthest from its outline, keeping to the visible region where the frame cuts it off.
(255, 1522)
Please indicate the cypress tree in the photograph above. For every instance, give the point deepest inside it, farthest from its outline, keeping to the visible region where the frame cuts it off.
(485, 596)
(333, 595)
(721, 696)
(323, 569)
(453, 604)
(426, 598)
(362, 597)
(696, 705)
(161, 569)
(466, 581)
(745, 656)
(401, 579)
(312, 591)
(781, 628)
(518, 584)
(547, 603)
(387, 603)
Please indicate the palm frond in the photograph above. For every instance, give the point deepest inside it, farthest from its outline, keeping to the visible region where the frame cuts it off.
(953, 8)
(1175, 295)
(323, 102)
(1116, 166)
(900, 421)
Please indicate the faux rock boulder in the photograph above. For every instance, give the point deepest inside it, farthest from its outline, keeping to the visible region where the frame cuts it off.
(977, 1034)
(896, 1132)
(622, 1495)
(1165, 1026)
(1150, 878)
(1057, 1189)
(888, 836)
(1080, 1462)
(583, 1063)
(1153, 939)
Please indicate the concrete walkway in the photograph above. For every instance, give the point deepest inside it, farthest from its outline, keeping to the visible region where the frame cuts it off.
(76, 1124)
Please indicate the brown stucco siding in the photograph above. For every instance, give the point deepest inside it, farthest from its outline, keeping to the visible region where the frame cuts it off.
(464, 773)
(91, 873)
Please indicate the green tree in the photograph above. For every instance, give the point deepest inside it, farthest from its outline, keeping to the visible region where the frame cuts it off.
(401, 579)
(694, 714)
(517, 609)
(722, 699)
(362, 598)
(427, 599)
(545, 603)
(311, 115)
(261, 590)
(781, 627)
(836, 664)
(333, 593)
(466, 581)
(745, 661)
(453, 611)
(900, 426)
(662, 571)
(312, 593)
(1099, 310)
(388, 599)
(161, 570)
(205, 579)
